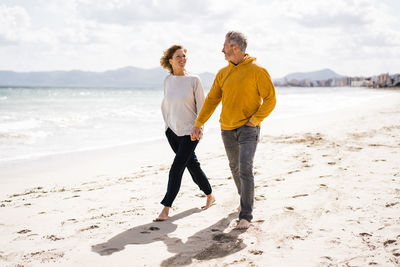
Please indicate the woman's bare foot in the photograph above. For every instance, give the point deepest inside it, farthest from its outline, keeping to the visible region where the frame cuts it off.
(243, 224)
(163, 215)
(210, 201)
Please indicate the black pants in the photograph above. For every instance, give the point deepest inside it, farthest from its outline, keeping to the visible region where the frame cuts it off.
(184, 158)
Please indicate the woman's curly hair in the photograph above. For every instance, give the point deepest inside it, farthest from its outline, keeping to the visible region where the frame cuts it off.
(164, 61)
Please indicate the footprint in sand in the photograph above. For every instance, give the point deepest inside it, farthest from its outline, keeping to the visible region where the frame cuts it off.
(354, 149)
(226, 244)
(260, 197)
(223, 238)
(256, 252)
(53, 237)
(391, 204)
(300, 195)
(44, 256)
(293, 237)
(69, 221)
(152, 228)
(24, 231)
(89, 228)
(388, 242)
(392, 246)
(365, 234)
(74, 196)
(327, 258)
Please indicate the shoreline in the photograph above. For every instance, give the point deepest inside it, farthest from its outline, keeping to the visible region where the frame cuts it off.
(98, 149)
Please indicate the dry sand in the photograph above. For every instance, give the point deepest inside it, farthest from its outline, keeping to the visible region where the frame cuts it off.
(327, 194)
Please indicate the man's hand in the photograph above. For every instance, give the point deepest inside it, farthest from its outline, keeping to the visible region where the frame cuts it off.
(195, 134)
(250, 124)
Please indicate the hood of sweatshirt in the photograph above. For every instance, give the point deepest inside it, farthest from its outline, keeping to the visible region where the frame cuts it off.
(247, 59)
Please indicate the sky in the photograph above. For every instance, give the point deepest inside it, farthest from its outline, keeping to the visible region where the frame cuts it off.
(351, 37)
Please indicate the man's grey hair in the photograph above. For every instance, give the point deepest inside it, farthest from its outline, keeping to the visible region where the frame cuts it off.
(237, 38)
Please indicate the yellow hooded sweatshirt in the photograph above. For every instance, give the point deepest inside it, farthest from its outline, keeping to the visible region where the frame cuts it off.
(246, 92)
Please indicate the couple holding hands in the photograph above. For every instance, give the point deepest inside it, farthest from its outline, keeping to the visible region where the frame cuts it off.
(247, 95)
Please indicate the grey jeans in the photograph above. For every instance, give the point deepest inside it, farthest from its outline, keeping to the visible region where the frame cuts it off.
(240, 146)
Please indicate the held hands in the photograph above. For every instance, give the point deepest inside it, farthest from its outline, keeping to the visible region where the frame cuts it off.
(196, 134)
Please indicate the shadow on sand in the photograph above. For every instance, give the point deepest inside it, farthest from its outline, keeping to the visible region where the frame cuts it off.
(209, 243)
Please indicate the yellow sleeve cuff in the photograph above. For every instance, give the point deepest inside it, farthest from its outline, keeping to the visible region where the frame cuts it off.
(254, 121)
(198, 124)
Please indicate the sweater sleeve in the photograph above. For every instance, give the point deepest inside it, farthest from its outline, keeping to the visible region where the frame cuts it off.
(198, 95)
(164, 107)
(266, 90)
(210, 104)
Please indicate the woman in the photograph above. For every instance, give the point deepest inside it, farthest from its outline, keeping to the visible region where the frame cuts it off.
(183, 99)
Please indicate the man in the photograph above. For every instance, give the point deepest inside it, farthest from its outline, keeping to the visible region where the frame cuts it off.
(248, 97)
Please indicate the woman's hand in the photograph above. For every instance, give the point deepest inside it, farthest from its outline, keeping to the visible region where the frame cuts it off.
(195, 134)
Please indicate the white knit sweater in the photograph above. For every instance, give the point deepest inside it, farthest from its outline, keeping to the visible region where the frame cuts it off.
(183, 99)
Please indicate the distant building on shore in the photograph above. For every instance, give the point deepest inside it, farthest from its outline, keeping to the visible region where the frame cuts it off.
(381, 81)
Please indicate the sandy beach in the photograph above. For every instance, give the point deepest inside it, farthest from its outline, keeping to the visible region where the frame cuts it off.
(327, 194)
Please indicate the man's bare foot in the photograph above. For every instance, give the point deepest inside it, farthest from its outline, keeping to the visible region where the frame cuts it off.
(210, 201)
(243, 224)
(163, 215)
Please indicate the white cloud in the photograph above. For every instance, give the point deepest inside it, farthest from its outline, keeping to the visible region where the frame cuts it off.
(16, 29)
(127, 12)
(14, 22)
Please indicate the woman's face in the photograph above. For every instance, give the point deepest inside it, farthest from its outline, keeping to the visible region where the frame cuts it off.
(178, 60)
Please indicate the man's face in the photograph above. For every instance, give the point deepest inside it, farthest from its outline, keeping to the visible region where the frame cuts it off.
(228, 50)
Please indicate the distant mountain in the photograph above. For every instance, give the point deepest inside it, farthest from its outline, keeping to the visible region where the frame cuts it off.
(127, 77)
(124, 77)
(318, 75)
(207, 79)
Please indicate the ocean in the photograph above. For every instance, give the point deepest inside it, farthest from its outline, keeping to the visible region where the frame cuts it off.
(35, 122)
